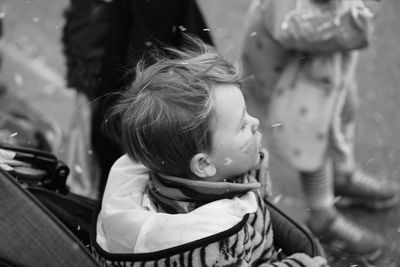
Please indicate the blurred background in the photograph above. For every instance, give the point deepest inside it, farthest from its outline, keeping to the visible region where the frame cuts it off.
(34, 68)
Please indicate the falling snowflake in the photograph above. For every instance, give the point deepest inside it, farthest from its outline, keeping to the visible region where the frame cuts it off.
(336, 199)
(78, 169)
(277, 124)
(18, 79)
(277, 199)
(228, 161)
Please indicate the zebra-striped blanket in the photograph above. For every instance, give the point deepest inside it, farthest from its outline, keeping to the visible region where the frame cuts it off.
(233, 231)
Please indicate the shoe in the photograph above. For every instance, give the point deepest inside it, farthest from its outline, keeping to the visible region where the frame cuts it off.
(344, 236)
(361, 189)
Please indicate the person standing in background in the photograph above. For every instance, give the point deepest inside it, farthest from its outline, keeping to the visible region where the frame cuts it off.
(302, 55)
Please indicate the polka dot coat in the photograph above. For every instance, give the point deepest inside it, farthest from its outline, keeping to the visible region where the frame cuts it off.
(299, 59)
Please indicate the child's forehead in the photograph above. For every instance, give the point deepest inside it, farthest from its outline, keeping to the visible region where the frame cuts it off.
(223, 93)
(227, 103)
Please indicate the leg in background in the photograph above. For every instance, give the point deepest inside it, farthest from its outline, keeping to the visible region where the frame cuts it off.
(327, 223)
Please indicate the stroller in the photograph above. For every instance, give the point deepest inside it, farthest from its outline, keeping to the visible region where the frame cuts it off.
(43, 224)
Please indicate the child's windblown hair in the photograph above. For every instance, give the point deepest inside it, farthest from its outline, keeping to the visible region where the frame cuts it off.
(163, 118)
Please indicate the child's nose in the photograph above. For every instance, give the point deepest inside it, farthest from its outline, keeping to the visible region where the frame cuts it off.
(254, 124)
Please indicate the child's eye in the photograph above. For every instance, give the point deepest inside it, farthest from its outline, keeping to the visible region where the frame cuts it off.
(244, 125)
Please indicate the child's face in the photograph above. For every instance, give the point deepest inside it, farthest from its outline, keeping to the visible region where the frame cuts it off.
(235, 136)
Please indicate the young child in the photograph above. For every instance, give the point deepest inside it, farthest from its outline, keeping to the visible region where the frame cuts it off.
(195, 201)
(302, 55)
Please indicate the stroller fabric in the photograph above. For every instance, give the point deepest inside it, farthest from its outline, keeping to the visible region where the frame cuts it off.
(33, 236)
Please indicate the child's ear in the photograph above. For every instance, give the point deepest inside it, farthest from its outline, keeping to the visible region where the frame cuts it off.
(202, 166)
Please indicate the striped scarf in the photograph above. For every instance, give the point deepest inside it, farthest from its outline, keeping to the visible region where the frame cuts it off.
(175, 195)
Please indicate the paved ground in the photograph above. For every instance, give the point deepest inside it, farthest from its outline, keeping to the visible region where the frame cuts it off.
(34, 66)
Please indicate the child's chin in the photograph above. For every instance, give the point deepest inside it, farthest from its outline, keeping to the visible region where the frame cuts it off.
(258, 160)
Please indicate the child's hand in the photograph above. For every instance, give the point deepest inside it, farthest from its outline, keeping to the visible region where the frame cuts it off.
(308, 261)
(321, 262)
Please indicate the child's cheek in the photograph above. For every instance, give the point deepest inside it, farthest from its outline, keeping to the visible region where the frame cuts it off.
(249, 148)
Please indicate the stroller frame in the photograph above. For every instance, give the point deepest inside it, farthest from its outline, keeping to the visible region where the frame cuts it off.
(52, 226)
